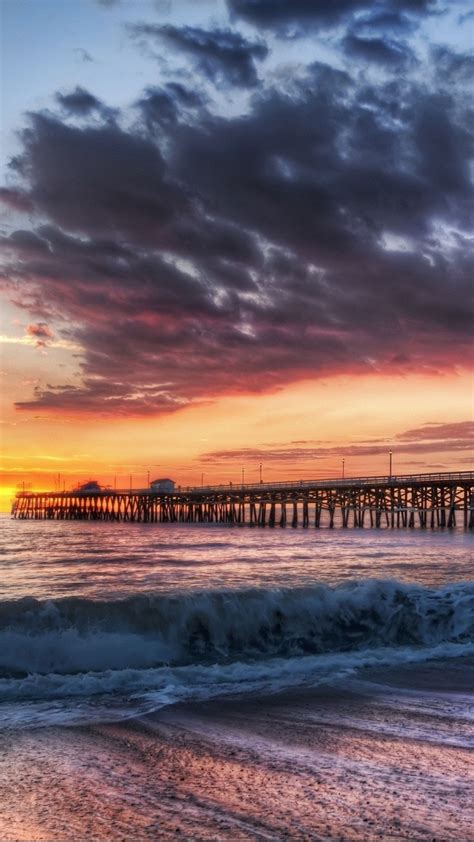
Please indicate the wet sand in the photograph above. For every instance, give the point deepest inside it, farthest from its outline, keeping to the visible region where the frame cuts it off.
(316, 764)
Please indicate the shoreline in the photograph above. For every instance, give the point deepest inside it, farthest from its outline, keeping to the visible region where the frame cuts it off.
(329, 763)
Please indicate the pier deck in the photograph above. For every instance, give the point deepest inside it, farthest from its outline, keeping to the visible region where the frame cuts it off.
(424, 500)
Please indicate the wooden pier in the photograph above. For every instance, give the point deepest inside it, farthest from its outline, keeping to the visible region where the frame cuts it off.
(423, 500)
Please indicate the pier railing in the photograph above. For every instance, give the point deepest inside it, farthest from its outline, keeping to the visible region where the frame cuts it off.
(337, 482)
(290, 485)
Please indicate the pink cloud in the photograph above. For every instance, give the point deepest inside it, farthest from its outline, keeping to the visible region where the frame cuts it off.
(41, 332)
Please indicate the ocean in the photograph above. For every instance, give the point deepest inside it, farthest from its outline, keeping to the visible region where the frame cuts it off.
(221, 682)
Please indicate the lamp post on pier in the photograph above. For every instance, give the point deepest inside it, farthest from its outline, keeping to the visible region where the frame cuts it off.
(390, 453)
(343, 466)
(261, 473)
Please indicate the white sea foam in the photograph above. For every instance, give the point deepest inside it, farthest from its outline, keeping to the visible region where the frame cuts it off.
(149, 651)
(117, 694)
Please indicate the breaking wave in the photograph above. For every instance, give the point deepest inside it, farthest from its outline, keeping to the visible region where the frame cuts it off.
(165, 648)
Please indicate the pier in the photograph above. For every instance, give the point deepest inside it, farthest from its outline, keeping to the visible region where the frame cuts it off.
(422, 500)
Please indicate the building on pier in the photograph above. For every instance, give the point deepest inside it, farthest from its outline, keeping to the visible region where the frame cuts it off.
(92, 486)
(162, 485)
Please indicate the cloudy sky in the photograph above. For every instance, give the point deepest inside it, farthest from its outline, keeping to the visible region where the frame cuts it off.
(235, 231)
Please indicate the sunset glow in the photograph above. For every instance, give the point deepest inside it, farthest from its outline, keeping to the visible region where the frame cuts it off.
(247, 250)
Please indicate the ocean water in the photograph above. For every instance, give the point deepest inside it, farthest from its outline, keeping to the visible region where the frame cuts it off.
(103, 623)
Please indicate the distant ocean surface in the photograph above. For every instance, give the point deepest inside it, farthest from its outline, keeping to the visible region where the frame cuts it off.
(104, 622)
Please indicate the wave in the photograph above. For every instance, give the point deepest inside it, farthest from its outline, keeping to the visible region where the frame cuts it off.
(72, 635)
(76, 660)
(113, 695)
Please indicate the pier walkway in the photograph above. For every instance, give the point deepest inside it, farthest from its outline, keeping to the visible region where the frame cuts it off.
(424, 500)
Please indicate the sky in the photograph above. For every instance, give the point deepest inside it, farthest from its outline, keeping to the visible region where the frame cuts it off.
(235, 233)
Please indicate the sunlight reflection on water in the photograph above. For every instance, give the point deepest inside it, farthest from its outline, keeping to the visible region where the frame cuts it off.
(103, 560)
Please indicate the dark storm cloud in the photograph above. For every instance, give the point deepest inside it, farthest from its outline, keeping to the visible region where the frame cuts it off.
(190, 254)
(79, 102)
(292, 16)
(270, 13)
(378, 50)
(97, 179)
(387, 21)
(167, 104)
(16, 199)
(101, 272)
(467, 16)
(221, 55)
(323, 168)
(103, 398)
(452, 67)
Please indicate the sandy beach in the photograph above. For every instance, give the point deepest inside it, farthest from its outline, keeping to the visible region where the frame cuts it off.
(361, 763)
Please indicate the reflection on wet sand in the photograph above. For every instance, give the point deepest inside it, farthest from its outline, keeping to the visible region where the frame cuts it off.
(328, 763)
